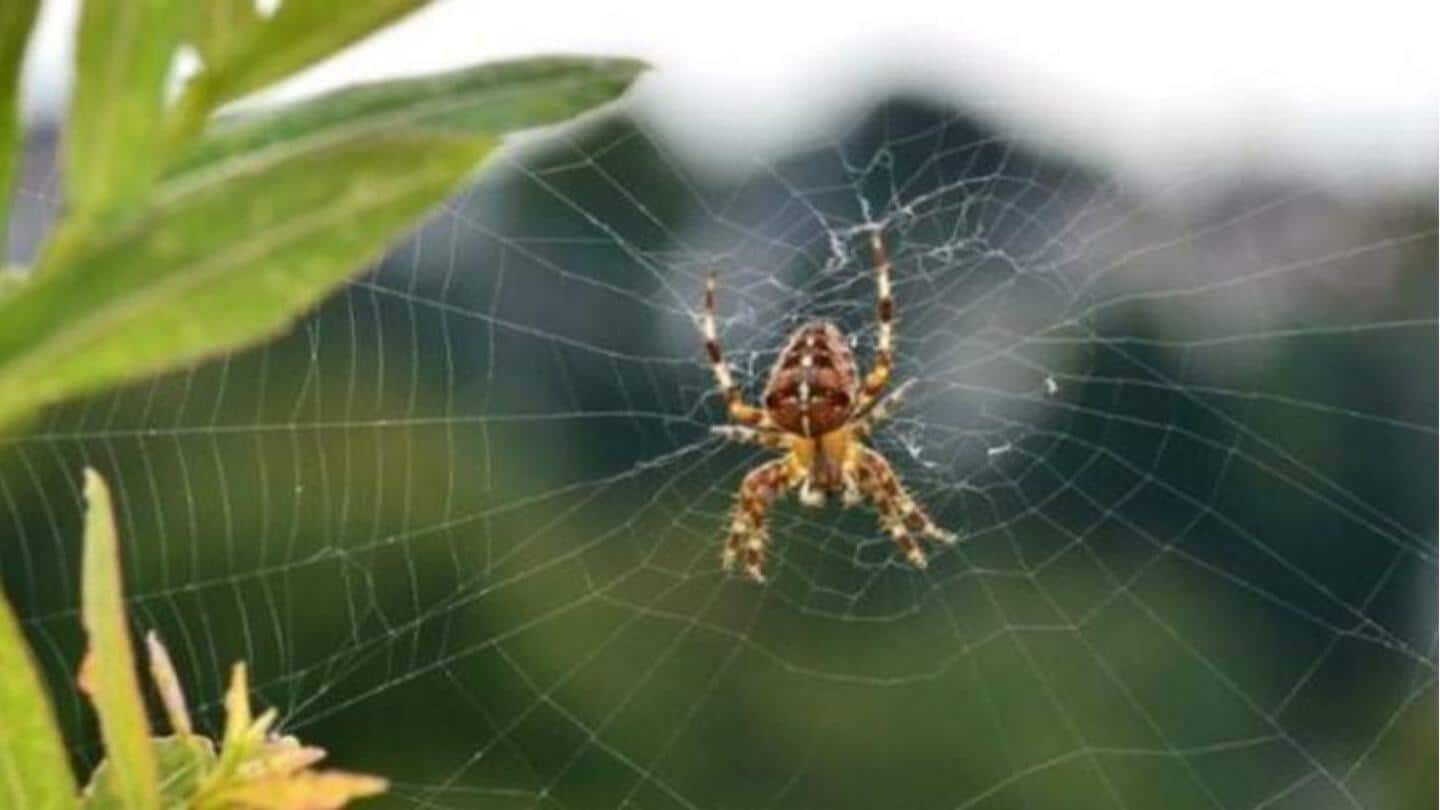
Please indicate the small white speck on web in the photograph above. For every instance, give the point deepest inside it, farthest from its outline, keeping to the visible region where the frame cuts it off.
(1051, 387)
(915, 450)
(999, 450)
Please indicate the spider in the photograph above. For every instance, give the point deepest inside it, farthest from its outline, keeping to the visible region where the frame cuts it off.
(818, 410)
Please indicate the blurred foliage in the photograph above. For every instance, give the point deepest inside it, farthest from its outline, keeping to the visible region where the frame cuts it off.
(254, 768)
(15, 20)
(107, 673)
(179, 242)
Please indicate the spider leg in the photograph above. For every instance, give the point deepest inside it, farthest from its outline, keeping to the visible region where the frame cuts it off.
(769, 439)
(810, 495)
(881, 409)
(885, 313)
(749, 536)
(850, 478)
(734, 402)
(901, 516)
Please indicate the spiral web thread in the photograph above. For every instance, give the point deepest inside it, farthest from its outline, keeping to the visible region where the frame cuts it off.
(482, 479)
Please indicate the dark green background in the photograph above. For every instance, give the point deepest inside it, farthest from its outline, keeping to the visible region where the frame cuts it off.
(463, 523)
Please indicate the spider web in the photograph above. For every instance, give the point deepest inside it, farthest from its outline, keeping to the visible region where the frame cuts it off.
(464, 523)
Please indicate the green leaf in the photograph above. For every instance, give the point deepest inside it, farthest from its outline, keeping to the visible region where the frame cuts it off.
(16, 19)
(115, 140)
(301, 33)
(183, 763)
(167, 684)
(34, 768)
(489, 99)
(267, 216)
(12, 278)
(306, 790)
(108, 673)
(224, 258)
(218, 25)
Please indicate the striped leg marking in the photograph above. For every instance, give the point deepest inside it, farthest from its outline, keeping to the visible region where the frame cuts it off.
(741, 434)
(734, 403)
(749, 538)
(885, 313)
(883, 409)
(900, 515)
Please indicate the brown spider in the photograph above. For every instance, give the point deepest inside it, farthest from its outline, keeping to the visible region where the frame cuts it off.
(817, 411)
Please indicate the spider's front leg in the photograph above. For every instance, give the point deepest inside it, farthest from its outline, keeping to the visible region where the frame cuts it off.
(864, 424)
(734, 403)
(740, 434)
(899, 514)
(881, 410)
(748, 535)
(879, 374)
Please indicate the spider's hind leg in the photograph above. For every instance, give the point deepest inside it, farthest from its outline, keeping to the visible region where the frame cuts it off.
(901, 516)
(851, 495)
(749, 538)
(811, 496)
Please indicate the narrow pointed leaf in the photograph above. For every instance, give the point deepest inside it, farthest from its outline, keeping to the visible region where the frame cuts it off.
(16, 19)
(167, 685)
(222, 260)
(115, 135)
(488, 99)
(301, 33)
(183, 764)
(108, 673)
(219, 25)
(238, 717)
(34, 768)
(306, 790)
(267, 215)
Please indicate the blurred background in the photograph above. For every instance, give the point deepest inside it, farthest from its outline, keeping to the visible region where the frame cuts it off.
(1167, 281)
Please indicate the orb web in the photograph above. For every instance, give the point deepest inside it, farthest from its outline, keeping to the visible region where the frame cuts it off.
(465, 522)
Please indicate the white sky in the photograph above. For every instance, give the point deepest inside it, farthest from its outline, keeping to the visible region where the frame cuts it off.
(1342, 95)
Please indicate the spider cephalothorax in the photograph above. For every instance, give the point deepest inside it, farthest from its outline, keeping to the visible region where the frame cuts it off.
(817, 410)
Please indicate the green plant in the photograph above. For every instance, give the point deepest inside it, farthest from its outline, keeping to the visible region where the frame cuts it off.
(186, 234)
(253, 769)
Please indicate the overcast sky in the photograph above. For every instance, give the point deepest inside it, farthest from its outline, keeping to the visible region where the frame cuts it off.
(1341, 95)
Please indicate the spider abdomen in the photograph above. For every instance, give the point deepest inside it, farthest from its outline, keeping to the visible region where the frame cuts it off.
(813, 385)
